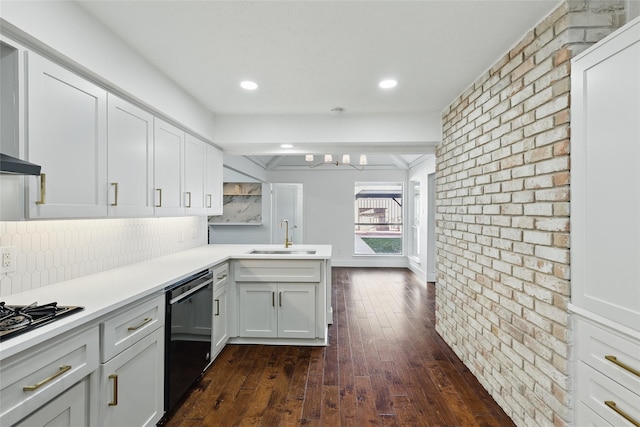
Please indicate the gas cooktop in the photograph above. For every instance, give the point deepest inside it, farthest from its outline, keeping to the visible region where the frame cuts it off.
(18, 319)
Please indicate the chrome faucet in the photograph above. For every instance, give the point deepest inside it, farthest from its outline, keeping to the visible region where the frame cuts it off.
(287, 242)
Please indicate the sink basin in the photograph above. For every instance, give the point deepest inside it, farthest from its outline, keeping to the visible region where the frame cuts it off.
(282, 252)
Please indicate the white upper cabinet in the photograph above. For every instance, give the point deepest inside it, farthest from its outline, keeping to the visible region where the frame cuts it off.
(195, 161)
(168, 176)
(67, 117)
(130, 159)
(605, 178)
(213, 181)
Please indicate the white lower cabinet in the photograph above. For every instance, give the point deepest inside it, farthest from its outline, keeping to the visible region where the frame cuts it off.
(50, 382)
(132, 369)
(69, 409)
(131, 384)
(277, 310)
(220, 309)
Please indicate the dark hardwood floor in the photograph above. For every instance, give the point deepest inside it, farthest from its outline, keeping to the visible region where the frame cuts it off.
(385, 365)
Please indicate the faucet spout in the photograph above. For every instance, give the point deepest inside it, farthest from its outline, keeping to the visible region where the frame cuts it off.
(287, 242)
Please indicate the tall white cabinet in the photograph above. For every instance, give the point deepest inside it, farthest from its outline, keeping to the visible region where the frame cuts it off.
(605, 229)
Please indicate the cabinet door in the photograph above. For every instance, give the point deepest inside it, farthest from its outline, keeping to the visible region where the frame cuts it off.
(130, 159)
(605, 201)
(168, 157)
(220, 323)
(195, 158)
(213, 181)
(296, 310)
(257, 306)
(67, 118)
(132, 384)
(69, 409)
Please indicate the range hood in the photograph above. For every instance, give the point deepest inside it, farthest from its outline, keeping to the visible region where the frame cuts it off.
(15, 166)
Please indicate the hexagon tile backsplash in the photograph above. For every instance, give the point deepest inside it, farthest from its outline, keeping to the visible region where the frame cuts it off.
(48, 252)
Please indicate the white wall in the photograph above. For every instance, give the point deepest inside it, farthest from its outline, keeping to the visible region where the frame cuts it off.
(65, 30)
(329, 210)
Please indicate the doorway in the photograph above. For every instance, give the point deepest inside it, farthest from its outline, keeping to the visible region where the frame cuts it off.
(286, 203)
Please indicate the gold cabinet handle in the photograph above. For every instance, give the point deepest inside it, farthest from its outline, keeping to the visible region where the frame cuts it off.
(217, 307)
(224, 276)
(273, 299)
(159, 190)
(611, 404)
(115, 186)
(43, 189)
(280, 299)
(614, 360)
(61, 370)
(114, 402)
(209, 200)
(144, 322)
(188, 193)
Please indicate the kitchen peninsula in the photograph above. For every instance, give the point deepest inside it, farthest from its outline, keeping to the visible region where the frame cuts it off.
(123, 323)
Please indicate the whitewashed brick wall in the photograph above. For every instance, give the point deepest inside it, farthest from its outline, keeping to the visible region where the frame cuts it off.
(503, 217)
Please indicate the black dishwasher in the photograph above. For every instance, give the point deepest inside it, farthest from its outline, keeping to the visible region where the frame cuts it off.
(188, 334)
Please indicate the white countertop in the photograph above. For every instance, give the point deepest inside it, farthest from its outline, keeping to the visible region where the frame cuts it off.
(104, 292)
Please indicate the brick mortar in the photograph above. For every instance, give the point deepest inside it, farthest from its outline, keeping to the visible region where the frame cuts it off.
(502, 197)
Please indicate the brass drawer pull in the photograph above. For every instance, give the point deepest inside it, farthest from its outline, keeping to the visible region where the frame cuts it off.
(611, 404)
(43, 190)
(224, 276)
(273, 299)
(159, 204)
(115, 202)
(614, 359)
(189, 203)
(217, 307)
(61, 370)
(144, 322)
(114, 402)
(280, 299)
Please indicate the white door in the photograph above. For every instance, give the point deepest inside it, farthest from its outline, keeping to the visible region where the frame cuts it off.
(68, 137)
(168, 156)
(286, 202)
(296, 310)
(195, 158)
(213, 181)
(258, 316)
(220, 323)
(132, 384)
(130, 165)
(67, 410)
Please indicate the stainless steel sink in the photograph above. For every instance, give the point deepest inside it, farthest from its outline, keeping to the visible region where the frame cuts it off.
(282, 252)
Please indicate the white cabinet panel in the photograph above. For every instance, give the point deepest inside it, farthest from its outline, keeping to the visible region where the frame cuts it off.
(70, 409)
(130, 159)
(605, 178)
(213, 181)
(296, 310)
(131, 384)
(220, 322)
(195, 158)
(168, 161)
(258, 316)
(67, 137)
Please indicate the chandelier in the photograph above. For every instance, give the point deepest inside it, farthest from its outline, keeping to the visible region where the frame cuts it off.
(346, 160)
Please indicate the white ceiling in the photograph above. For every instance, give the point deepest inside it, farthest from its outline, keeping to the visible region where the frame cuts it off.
(311, 56)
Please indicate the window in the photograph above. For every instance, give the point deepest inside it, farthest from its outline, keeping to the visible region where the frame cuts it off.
(378, 218)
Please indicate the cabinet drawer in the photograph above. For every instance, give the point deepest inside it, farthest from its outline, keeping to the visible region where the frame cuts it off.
(616, 356)
(130, 326)
(277, 271)
(221, 276)
(30, 381)
(585, 417)
(604, 396)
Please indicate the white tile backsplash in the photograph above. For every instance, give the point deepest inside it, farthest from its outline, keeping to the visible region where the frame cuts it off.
(52, 251)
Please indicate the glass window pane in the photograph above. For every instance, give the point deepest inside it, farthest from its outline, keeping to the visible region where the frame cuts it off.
(378, 218)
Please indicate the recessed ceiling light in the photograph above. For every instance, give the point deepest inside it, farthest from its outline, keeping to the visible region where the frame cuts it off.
(248, 85)
(286, 146)
(388, 84)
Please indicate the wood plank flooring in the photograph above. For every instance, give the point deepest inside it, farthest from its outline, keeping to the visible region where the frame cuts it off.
(385, 366)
